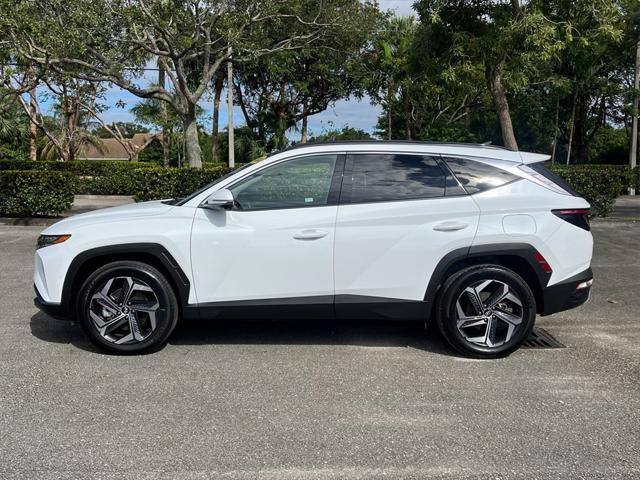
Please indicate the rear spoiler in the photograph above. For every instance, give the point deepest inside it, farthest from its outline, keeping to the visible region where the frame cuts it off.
(528, 158)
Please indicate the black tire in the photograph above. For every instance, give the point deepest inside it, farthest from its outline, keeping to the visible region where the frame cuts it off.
(455, 286)
(145, 277)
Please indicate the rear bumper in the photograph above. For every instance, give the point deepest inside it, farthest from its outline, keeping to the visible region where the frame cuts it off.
(54, 310)
(565, 295)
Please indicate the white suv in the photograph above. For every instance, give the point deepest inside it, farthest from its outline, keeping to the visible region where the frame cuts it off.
(475, 238)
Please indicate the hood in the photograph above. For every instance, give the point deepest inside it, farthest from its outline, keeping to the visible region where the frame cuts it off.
(122, 212)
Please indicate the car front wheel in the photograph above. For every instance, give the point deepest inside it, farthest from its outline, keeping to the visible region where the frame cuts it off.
(486, 311)
(127, 307)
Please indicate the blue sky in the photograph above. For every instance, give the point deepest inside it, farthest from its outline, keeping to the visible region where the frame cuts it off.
(356, 114)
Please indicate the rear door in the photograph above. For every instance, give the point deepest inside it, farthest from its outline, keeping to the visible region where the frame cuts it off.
(399, 214)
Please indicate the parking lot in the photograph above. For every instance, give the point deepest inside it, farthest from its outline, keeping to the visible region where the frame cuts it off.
(323, 400)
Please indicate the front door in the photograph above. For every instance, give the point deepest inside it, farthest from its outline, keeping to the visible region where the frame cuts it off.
(275, 247)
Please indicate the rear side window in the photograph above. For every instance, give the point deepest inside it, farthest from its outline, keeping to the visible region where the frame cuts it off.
(541, 169)
(389, 177)
(478, 177)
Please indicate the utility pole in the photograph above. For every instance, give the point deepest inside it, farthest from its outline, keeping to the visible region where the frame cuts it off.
(232, 160)
(164, 116)
(633, 154)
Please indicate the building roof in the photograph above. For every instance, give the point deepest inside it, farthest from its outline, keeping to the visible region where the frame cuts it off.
(111, 149)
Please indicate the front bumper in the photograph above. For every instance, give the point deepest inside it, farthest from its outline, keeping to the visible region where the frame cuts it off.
(54, 310)
(565, 295)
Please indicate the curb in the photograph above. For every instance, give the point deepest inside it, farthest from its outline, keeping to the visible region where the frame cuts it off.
(105, 197)
(29, 221)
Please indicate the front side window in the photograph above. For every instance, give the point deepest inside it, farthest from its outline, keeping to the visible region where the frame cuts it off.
(389, 177)
(302, 182)
(478, 177)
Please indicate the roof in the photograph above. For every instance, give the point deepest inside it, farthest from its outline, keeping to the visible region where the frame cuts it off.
(442, 148)
(399, 142)
(112, 149)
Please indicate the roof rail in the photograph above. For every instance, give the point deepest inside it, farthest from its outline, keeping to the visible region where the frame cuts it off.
(395, 142)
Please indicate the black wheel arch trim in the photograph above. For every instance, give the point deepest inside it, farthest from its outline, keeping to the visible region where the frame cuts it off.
(524, 251)
(159, 252)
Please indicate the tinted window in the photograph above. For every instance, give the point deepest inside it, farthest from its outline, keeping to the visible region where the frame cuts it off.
(477, 176)
(549, 175)
(380, 178)
(303, 182)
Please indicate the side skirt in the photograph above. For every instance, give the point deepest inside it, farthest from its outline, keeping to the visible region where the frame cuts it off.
(341, 307)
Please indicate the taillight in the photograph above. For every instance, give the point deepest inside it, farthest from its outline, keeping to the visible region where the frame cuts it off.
(543, 262)
(575, 216)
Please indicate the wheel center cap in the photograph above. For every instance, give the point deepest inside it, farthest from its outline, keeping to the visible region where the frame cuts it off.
(125, 310)
(488, 313)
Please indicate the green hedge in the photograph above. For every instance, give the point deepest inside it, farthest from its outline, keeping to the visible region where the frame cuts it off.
(96, 177)
(31, 193)
(599, 184)
(158, 183)
(90, 168)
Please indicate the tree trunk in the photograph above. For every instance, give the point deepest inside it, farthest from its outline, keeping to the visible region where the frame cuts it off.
(231, 132)
(555, 130)
(633, 152)
(389, 97)
(164, 139)
(192, 145)
(216, 117)
(33, 129)
(305, 123)
(573, 118)
(494, 80)
(407, 116)
(580, 135)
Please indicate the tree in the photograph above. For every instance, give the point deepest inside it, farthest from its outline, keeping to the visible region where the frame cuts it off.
(74, 103)
(282, 91)
(218, 84)
(161, 117)
(510, 39)
(99, 40)
(388, 78)
(587, 73)
(633, 150)
(345, 133)
(128, 129)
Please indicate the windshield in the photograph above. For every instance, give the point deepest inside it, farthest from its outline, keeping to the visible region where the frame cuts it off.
(182, 201)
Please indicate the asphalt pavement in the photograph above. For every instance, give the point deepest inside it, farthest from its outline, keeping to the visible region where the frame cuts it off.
(298, 400)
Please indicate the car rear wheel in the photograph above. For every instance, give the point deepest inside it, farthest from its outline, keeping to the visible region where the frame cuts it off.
(486, 311)
(127, 307)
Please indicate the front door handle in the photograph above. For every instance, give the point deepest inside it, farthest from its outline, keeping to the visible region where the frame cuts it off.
(450, 226)
(312, 234)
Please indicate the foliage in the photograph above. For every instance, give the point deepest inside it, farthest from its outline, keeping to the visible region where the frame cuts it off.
(31, 193)
(247, 149)
(346, 133)
(106, 42)
(107, 177)
(128, 129)
(77, 167)
(278, 92)
(609, 145)
(160, 183)
(599, 184)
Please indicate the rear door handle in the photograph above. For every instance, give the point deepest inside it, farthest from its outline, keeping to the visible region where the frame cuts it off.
(310, 234)
(450, 226)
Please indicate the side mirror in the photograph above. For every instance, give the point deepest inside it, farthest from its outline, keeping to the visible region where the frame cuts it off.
(219, 200)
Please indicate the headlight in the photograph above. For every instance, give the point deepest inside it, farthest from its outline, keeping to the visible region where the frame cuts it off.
(46, 240)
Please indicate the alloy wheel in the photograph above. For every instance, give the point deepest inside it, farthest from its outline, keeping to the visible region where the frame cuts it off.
(124, 310)
(488, 313)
